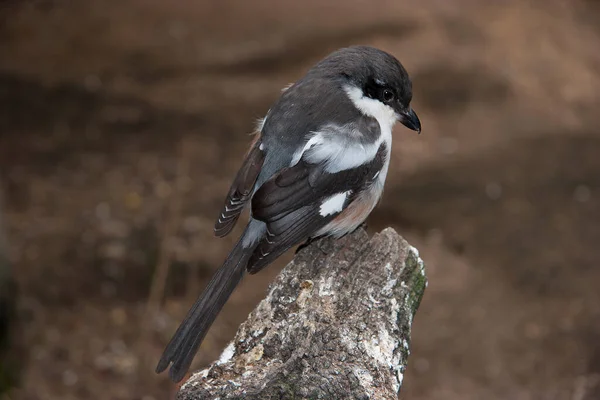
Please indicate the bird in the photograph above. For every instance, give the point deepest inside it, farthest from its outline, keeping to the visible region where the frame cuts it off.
(316, 168)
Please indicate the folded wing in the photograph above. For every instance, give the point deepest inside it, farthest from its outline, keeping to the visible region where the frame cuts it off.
(241, 190)
(300, 200)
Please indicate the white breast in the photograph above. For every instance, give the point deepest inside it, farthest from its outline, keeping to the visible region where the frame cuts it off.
(386, 116)
(354, 156)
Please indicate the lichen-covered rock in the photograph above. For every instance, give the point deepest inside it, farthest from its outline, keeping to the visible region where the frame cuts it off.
(335, 325)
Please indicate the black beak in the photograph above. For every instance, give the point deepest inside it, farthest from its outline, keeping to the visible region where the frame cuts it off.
(410, 120)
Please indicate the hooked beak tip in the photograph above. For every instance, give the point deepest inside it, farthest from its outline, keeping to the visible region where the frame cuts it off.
(411, 120)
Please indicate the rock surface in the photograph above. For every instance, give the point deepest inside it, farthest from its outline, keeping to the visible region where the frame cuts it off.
(335, 324)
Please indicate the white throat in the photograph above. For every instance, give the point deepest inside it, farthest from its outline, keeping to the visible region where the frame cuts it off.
(387, 118)
(384, 114)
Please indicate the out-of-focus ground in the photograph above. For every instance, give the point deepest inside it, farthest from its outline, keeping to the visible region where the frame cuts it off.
(124, 121)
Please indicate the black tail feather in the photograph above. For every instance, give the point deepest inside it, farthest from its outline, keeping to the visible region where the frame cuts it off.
(187, 339)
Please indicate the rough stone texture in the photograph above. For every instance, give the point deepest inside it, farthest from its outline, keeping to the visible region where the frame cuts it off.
(335, 324)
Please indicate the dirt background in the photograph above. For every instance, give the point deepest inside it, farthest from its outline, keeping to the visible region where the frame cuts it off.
(122, 123)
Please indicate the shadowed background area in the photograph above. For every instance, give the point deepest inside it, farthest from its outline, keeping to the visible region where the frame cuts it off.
(123, 122)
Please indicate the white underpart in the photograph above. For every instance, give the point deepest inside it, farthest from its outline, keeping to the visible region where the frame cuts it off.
(333, 204)
(339, 153)
(387, 118)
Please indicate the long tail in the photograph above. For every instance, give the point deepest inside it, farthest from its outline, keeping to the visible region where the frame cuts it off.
(187, 339)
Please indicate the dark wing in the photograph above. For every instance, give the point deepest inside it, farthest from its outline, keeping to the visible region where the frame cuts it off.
(290, 203)
(241, 189)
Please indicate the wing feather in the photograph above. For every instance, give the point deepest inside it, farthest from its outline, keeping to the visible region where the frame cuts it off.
(241, 189)
(290, 203)
(284, 234)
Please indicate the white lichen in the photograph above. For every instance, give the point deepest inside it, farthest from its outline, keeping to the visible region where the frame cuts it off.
(326, 287)
(227, 354)
(381, 347)
(388, 268)
(394, 312)
(287, 300)
(370, 295)
(389, 286)
(257, 333)
(413, 250)
(420, 263)
(391, 281)
(365, 379)
(348, 339)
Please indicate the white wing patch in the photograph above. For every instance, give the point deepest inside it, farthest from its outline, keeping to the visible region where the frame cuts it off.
(333, 145)
(336, 150)
(316, 139)
(333, 204)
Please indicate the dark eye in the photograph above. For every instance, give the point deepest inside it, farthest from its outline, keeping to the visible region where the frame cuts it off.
(388, 95)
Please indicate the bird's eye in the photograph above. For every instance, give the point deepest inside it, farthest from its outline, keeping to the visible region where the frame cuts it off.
(388, 95)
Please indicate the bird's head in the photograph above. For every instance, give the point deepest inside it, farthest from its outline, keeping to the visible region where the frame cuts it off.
(375, 81)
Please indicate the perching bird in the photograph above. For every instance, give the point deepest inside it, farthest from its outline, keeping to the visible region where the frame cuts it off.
(316, 168)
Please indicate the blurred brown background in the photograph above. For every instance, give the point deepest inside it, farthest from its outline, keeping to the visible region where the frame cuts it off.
(122, 123)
